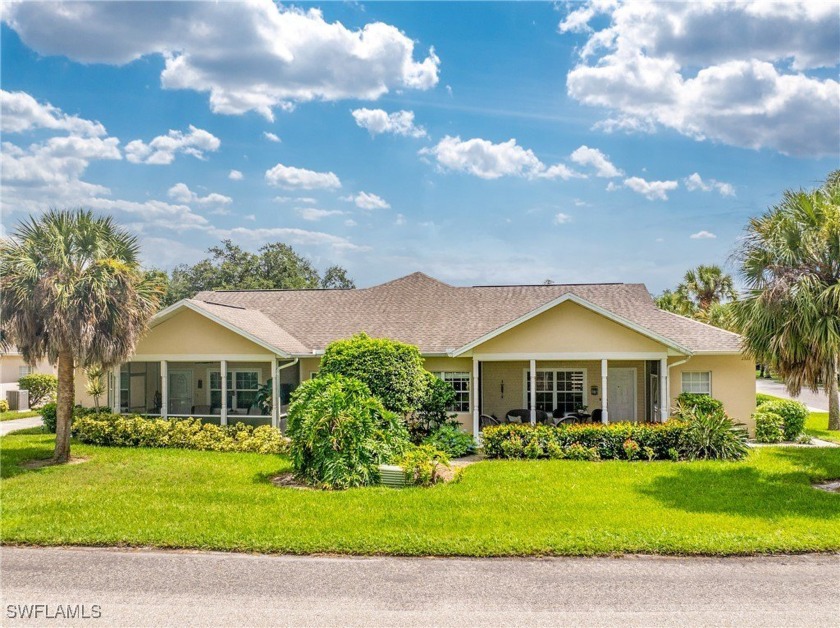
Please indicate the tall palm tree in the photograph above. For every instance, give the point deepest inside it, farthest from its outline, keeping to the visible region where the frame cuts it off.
(706, 285)
(677, 302)
(71, 290)
(790, 319)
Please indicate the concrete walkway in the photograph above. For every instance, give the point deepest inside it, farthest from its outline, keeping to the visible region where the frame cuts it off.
(152, 588)
(19, 424)
(816, 402)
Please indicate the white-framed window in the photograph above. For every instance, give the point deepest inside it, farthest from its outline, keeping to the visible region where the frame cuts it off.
(558, 390)
(242, 387)
(23, 371)
(461, 383)
(697, 382)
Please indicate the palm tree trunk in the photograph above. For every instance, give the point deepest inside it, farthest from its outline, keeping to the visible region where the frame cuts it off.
(833, 398)
(64, 407)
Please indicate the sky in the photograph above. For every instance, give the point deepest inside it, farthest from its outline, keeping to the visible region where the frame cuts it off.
(480, 143)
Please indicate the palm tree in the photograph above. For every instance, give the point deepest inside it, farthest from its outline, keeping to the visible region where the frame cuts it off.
(706, 285)
(790, 320)
(71, 289)
(677, 302)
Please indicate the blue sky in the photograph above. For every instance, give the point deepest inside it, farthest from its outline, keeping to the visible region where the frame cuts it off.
(477, 142)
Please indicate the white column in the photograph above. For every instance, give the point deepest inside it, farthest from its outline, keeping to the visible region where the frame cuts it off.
(115, 384)
(664, 392)
(164, 388)
(533, 392)
(275, 394)
(475, 398)
(605, 415)
(223, 375)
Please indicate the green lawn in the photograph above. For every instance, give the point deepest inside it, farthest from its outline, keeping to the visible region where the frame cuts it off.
(817, 426)
(176, 498)
(18, 414)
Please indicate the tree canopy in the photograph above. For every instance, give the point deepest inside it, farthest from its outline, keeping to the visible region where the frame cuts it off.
(705, 293)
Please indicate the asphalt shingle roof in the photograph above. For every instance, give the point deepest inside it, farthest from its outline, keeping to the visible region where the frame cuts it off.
(435, 316)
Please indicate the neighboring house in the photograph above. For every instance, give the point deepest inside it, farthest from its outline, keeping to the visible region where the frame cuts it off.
(13, 367)
(602, 346)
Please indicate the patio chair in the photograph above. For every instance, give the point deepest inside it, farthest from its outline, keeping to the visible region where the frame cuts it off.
(485, 420)
(597, 415)
(524, 416)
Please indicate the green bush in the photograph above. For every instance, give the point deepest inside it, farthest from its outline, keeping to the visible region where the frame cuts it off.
(793, 414)
(41, 386)
(422, 464)
(516, 440)
(450, 438)
(4, 405)
(48, 413)
(689, 403)
(712, 436)
(341, 433)
(769, 427)
(761, 398)
(393, 371)
(432, 411)
(115, 430)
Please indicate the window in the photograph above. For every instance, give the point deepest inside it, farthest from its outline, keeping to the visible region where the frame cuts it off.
(23, 371)
(242, 387)
(461, 383)
(697, 382)
(558, 390)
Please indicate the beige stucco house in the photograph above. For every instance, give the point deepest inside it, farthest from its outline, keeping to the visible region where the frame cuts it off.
(596, 346)
(13, 367)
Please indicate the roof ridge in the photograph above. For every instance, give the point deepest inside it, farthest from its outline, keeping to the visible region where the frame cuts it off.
(236, 307)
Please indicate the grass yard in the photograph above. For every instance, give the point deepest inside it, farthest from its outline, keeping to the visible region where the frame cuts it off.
(18, 414)
(817, 426)
(224, 501)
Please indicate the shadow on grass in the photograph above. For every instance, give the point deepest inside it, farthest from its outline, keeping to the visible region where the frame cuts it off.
(743, 491)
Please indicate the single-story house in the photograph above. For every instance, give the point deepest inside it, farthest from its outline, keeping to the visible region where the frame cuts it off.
(13, 367)
(600, 347)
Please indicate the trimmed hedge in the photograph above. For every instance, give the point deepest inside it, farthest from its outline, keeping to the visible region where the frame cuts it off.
(616, 441)
(761, 398)
(793, 415)
(769, 427)
(691, 403)
(114, 430)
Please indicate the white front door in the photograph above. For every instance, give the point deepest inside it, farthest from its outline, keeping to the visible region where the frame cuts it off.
(621, 394)
(180, 392)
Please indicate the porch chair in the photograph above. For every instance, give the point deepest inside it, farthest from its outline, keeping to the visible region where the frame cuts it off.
(523, 415)
(485, 420)
(597, 415)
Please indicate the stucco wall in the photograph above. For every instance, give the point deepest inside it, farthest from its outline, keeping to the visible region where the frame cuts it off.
(10, 371)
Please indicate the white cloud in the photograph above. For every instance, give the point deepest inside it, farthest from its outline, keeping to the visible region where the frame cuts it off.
(20, 112)
(295, 199)
(561, 219)
(249, 56)
(740, 73)
(378, 121)
(162, 149)
(483, 158)
(183, 194)
(313, 213)
(235, 175)
(696, 182)
(300, 237)
(271, 137)
(651, 190)
(365, 200)
(300, 178)
(703, 235)
(400, 220)
(350, 223)
(586, 156)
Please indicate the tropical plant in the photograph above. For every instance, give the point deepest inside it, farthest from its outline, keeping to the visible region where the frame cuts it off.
(689, 403)
(95, 384)
(453, 440)
(41, 387)
(769, 427)
(706, 285)
(790, 318)
(392, 370)
(4, 406)
(432, 412)
(422, 464)
(793, 415)
(712, 436)
(676, 302)
(71, 290)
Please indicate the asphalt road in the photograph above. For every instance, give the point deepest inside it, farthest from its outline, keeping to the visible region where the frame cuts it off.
(815, 401)
(19, 424)
(150, 588)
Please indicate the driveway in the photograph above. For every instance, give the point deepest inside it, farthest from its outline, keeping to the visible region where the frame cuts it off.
(817, 402)
(19, 424)
(151, 588)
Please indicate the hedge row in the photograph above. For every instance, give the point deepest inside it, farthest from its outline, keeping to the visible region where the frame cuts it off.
(114, 430)
(616, 441)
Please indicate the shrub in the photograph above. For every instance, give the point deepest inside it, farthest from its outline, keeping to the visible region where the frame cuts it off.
(761, 398)
(392, 371)
(115, 430)
(341, 433)
(41, 387)
(712, 436)
(422, 464)
(513, 440)
(631, 449)
(431, 413)
(450, 438)
(689, 403)
(4, 405)
(769, 427)
(48, 413)
(793, 415)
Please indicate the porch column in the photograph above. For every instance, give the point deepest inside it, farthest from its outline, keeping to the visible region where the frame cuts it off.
(164, 389)
(275, 394)
(115, 387)
(475, 398)
(223, 375)
(664, 392)
(605, 415)
(533, 392)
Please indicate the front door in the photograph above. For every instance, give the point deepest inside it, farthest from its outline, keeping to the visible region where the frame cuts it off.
(621, 394)
(180, 392)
